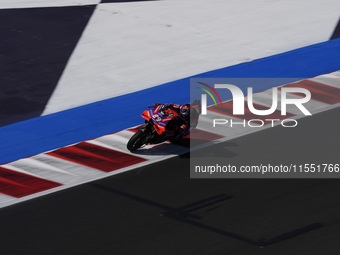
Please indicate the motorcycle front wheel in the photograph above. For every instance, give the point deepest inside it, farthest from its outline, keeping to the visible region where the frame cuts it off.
(137, 140)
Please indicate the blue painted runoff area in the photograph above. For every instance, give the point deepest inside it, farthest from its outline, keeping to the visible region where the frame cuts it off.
(34, 136)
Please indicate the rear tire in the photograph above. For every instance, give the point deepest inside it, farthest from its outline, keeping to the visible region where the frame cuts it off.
(137, 140)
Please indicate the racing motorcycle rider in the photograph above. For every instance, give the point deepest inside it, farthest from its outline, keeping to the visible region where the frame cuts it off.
(184, 117)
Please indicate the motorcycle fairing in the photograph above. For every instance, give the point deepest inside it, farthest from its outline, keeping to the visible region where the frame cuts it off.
(159, 117)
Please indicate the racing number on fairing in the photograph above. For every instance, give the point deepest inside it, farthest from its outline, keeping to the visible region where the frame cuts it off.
(156, 117)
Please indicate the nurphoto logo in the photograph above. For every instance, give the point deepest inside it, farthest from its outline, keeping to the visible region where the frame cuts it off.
(239, 104)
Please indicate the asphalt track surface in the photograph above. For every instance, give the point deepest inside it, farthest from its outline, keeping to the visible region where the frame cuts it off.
(158, 209)
(35, 51)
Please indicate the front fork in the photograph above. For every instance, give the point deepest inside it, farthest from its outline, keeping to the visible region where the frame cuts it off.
(149, 131)
(153, 136)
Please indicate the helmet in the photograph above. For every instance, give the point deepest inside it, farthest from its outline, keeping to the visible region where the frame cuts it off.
(185, 111)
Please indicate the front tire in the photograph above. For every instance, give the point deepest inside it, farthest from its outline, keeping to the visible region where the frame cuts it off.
(137, 140)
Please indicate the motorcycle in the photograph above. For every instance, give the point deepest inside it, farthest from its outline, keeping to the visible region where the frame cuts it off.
(155, 129)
